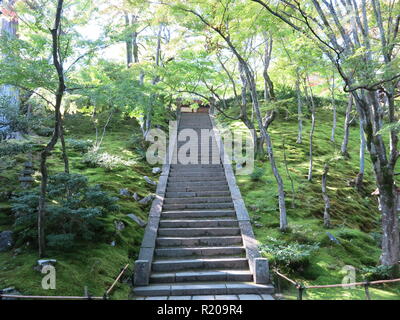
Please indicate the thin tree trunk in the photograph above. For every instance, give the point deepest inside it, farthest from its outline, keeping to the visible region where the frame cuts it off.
(64, 148)
(129, 43)
(55, 33)
(281, 192)
(347, 124)
(334, 110)
(135, 46)
(299, 110)
(288, 173)
(312, 130)
(327, 217)
(269, 92)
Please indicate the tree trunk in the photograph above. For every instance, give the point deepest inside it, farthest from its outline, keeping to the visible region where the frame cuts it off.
(281, 192)
(334, 110)
(64, 148)
(129, 43)
(55, 33)
(288, 174)
(384, 172)
(135, 46)
(360, 175)
(269, 92)
(347, 123)
(327, 217)
(11, 94)
(310, 166)
(299, 110)
(258, 150)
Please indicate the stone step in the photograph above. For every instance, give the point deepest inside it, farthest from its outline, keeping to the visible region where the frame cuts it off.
(200, 170)
(189, 179)
(195, 200)
(182, 214)
(198, 194)
(203, 288)
(197, 188)
(187, 173)
(200, 263)
(202, 275)
(198, 232)
(195, 166)
(199, 251)
(198, 241)
(204, 223)
(182, 206)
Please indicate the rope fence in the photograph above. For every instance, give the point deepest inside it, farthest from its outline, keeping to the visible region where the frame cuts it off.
(87, 296)
(301, 288)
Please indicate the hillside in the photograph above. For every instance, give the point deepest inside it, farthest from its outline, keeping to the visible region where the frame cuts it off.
(305, 252)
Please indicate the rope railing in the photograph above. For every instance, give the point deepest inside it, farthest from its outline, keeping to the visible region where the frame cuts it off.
(115, 282)
(86, 297)
(301, 288)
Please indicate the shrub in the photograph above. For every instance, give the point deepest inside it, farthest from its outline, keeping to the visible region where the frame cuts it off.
(43, 131)
(11, 148)
(377, 273)
(292, 255)
(104, 160)
(257, 174)
(79, 145)
(73, 211)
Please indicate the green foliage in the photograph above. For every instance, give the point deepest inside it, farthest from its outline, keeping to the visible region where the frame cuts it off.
(380, 272)
(291, 255)
(8, 148)
(257, 174)
(79, 145)
(73, 213)
(104, 160)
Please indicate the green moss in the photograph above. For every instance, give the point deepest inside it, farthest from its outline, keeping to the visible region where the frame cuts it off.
(93, 265)
(354, 215)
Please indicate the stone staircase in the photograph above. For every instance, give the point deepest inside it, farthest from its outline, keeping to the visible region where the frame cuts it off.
(199, 246)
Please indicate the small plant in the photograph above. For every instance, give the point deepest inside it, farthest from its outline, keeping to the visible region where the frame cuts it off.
(377, 273)
(257, 174)
(292, 255)
(79, 145)
(104, 160)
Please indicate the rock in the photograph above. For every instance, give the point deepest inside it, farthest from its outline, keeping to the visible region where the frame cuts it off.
(156, 170)
(148, 180)
(44, 262)
(6, 241)
(139, 221)
(147, 199)
(10, 291)
(113, 243)
(119, 225)
(124, 192)
(136, 196)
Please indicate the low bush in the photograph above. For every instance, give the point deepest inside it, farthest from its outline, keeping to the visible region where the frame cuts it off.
(79, 145)
(104, 160)
(377, 273)
(73, 212)
(257, 174)
(291, 255)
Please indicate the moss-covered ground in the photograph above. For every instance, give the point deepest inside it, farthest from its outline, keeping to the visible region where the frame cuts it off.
(355, 216)
(94, 265)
